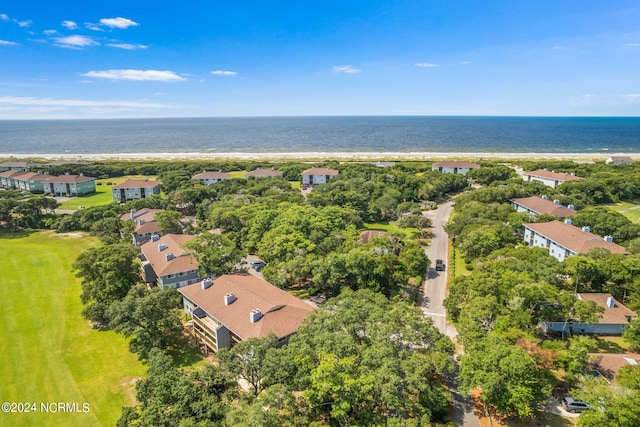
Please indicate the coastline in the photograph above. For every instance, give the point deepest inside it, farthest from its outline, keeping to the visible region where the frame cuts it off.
(318, 155)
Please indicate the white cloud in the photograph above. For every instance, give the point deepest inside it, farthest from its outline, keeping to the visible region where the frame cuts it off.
(632, 44)
(23, 24)
(136, 75)
(631, 98)
(92, 27)
(224, 73)
(49, 32)
(465, 62)
(348, 69)
(128, 46)
(4, 17)
(44, 102)
(121, 23)
(76, 41)
(426, 65)
(7, 43)
(70, 25)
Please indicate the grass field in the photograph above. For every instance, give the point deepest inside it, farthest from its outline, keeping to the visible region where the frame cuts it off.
(391, 227)
(630, 210)
(48, 353)
(102, 196)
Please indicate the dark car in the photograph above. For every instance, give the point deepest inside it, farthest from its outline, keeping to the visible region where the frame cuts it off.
(572, 405)
(258, 265)
(439, 265)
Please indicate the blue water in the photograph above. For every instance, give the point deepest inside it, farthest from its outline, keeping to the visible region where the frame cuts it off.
(323, 134)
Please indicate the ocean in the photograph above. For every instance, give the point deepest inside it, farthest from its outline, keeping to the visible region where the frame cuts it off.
(366, 134)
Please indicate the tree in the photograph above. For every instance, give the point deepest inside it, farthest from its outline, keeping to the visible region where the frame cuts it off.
(217, 254)
(632, 334)
(610, 405)
(169, 222)
(149, 316)
(107, 272)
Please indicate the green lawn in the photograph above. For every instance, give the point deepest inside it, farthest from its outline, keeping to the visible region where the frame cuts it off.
(48, 353)
(238, 174)
(630, 210)
(391, 227)
(102, 196)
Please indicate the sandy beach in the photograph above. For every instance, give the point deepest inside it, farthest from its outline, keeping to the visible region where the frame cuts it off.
(319, 155)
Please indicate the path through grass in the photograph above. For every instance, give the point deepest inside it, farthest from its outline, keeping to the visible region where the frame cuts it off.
(48, 353)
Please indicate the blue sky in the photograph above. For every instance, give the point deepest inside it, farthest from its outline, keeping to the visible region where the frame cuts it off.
(255, 58)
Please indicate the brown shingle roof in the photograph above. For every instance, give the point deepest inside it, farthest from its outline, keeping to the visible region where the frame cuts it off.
(12, 173)
(137, 183)
(31, 176)
(145, 220)
(456, 165)
(262, 173)
(543, 206)
(212, 175)
(63, 179)
(612, 315)
(573, 238)
(559, 176)
(320, 171)
(282, 313)
(182, 261)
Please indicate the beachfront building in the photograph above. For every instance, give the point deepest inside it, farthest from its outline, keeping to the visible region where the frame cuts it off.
(235, 307)
(563, 239)
(264, 173)
(549, 178)
(460, 168)
(613, 321)
(69, 185)
(208, 178)
(316, 176)
(17, 166)
(7, 178)
(32, 182)
(542, 205)
(619, 160)
(133, 189)
(145, 224)
(166, 263)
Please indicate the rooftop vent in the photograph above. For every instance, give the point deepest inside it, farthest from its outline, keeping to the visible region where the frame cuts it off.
(572, 207)
(206, 283)
(133, 213)
(608, 239)
(556, 201)
(229, 298)
(611, 303)
(162, 247)
(544, 197)
(155, 238)
(568, 221)
(255, 315)
(169, 256)
(586, 229)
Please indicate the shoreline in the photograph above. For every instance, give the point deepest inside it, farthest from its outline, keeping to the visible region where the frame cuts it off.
(319, 155)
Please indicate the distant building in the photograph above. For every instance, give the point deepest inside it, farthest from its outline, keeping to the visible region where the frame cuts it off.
(235, 307)
(316, 176)
(166, 263)
(69, 185)
(7, 178)
(31, 182)
(549, 178)
(614, 320)
(208, 178)
(542, 205)
(460, 168)
(18, 166)
(564, 240)
(145, 224)
(619, 160)
(135, 189)
(264, 173)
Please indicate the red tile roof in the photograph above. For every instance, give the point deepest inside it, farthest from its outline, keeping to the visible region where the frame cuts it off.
(183, 260)
(320, 171)
(559, 176)
(63, 179)
(573, 238)
(456, 165)
(212, 175)
(262, 173)
(612, 315)
(543, 206)
(282, 313)
(137, 183)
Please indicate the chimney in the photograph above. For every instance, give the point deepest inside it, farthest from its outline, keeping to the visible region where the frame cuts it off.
(586, 229)
(608, 239)
(611, 303)
(573, 208)
(229, 298)
(162, 247)
(568, 221)
(556, 201)
(255, 315)
(133, 213)
(155, 238)
(169, 256)
(544, 197)
(206, 283)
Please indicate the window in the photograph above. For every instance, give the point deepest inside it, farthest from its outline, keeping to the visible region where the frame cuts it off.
(170, 276)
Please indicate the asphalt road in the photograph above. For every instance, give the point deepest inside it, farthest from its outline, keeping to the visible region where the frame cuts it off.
(433, 294)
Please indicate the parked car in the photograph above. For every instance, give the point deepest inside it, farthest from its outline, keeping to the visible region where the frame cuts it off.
(572, 405)
(439, 265)
(258, 265)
